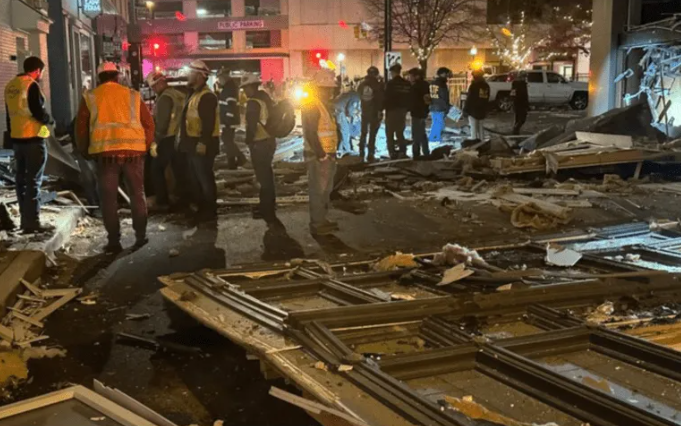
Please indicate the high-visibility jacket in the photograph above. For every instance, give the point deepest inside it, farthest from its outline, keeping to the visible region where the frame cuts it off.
(193, 122)
(260, 132)
(178, 99)
(22, 122)
(327, 130)
(115, 119)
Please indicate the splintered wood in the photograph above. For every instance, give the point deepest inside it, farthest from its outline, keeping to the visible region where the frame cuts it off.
(23, 324)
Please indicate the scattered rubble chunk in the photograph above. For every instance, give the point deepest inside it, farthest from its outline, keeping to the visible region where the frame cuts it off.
(173, 252)
(454, 254)
(601, 385)
(602, 313)
(455, 274)
(560, 256)
(477, 412)
(319, 365)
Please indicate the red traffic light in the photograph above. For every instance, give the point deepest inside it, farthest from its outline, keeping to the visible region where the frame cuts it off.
(156, 46)
(180, 16)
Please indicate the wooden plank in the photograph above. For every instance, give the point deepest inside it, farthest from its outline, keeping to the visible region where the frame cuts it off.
(312, 406)
(29, 320)
(546, 191)
(620, 141)
(6, 333)
(48, 310)
(554, 209)
(28, 265)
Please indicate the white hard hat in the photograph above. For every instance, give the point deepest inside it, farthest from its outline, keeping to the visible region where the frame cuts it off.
(199, 66)
(107, 67)
(325, 78)
(249, 79)
(154, 78)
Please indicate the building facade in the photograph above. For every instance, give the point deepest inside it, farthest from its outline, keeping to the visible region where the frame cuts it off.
(24, 28)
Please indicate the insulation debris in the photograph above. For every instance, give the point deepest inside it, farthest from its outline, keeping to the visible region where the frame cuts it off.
(396, 261)
(454, 254)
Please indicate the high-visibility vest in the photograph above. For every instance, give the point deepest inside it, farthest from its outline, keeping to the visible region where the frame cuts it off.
(22, 122)
(260, 132)
(193, 121)
(178, 99)
(115, 119)
(327, 130)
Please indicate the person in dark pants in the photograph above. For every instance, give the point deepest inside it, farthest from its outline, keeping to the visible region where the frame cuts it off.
(440, 106)
(397, 102)
(230, 118)
(371, 92)
(27, 122)
(261, 145)
(200, 139)
(115, 128)
(521, 101)
(167, 113)
(420, 100)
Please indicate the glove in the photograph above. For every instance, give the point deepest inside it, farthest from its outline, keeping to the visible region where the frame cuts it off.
(201, 148)
(154, 150)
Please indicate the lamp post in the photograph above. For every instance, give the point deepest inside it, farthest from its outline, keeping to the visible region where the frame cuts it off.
(388, 32)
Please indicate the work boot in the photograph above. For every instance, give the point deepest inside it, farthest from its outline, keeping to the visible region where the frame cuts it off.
(113, 247)
(37, 229)
(141, 242)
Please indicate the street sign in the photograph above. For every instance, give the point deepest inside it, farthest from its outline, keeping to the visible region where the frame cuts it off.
(241, 25)
(392, 58)
(92, 8)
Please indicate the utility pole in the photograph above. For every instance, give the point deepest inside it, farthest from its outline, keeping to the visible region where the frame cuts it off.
(388, 36)
(134, 48)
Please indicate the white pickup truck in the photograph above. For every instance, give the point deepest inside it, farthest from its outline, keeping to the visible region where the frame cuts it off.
(544, 88)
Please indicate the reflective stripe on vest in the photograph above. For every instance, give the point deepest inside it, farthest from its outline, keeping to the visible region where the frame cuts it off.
(23, 124)
(260, 132)
(114, 119)
(327, 130)
(193, 121)
(178, 99)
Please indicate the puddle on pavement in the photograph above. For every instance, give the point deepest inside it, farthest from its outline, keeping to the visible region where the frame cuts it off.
(624, 394)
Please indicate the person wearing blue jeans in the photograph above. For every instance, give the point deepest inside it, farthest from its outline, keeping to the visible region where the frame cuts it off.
(439, 106)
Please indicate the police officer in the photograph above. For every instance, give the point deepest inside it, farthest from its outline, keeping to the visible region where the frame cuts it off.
(27, 122)
(397, 102)
(167, 113)
(371, 92)
(439, 106)
(521, 101)
(321, 142)
(115, 127)
(230, 118)
(200, 139)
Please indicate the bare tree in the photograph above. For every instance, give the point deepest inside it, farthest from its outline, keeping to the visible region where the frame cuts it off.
(569, 29)
(425, 24)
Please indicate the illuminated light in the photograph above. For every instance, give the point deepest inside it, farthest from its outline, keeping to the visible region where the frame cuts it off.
(343, 24)
(473, 51)
(185, 68)
(318, 56)
(323, 63)
(341, 57)
(180, 16)
(330, 65)
(158, 68)
(150, 4)
(201, 12)
(477, 65)
(506, 32)
(157, 46)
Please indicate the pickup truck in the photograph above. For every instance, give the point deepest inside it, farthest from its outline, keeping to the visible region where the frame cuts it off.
(544, 88)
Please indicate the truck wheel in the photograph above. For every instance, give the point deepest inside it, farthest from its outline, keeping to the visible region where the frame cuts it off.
(504, 102)
(580, 101)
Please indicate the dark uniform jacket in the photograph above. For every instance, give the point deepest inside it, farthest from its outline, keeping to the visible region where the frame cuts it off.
(371, 93)
(397, 94)
(420, 99)
(229, 106)
(439, 93)
(477, 101)
(521, 98)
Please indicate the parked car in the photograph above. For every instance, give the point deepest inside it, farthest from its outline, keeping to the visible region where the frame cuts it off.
(544, 88)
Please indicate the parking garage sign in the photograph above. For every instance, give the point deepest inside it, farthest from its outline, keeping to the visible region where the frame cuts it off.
(92, 8)
(241, 25)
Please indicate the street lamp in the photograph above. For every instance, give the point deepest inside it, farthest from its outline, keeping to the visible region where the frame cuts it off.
(150, 5)
(473, 51)
(341, 57)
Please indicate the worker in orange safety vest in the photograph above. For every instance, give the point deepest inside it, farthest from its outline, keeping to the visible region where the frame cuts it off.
(115, 128)
(321, 142)
(27, 122)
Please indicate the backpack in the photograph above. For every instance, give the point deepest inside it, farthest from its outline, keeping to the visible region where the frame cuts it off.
(281, 119)
(367, 94)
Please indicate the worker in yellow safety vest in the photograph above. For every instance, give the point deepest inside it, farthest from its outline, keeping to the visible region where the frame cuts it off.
(116, 129)
(261, 145)
(27, 122)
(321, 142)
(200, 139)
(167, 113)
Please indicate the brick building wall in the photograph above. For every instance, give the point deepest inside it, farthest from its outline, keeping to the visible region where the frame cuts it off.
(8, 49)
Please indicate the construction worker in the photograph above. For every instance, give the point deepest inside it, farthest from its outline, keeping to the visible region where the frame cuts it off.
(200, 139)
(420, 100)
(230, 118)
(477, 104)
(440, 106)
(371, 93)
(115, 128)
(321, 141)
(397, 101)
(261, 145)
(521, 101)
(167, 113)
(27, 122)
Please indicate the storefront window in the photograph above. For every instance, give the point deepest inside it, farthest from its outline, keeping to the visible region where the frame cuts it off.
(86, 62)
(263, 7)
(215, 41)
(263, 39)
(213, 8)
